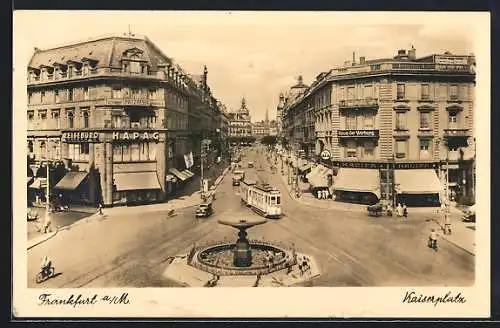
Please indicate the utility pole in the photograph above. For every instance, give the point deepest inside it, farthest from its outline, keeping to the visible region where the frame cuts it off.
(201, 164)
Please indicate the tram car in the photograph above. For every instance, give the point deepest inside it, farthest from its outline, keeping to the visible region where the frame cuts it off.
(262, 198)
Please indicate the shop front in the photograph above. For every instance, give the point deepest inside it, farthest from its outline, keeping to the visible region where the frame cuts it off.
(419, 187)
(74, 188)
(136, 188)
(360, 186)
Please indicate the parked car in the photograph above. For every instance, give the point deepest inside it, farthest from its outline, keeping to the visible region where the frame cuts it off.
(204, 210)
(470, 214)
(250, 164)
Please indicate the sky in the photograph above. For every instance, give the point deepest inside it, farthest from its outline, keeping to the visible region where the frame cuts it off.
(249, 54)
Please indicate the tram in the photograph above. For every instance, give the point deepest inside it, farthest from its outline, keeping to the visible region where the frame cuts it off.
(262, 198)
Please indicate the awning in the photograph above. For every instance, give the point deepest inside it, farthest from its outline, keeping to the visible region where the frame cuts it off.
(71, 180)
(358, 180)
(181, 176)
(170, 178)
(188, 173)
(38, 183)
(423, 181)
(305, 167)
(318, 178)
(136, 181)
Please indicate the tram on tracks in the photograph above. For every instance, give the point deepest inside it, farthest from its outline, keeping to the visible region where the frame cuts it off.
(262, 198)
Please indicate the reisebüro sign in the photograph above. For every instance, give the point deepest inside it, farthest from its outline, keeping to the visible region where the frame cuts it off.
(81, 136)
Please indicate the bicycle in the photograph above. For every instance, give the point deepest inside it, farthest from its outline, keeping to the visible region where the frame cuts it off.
(45, 274)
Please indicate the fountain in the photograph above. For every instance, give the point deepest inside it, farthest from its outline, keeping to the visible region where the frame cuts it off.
(242, 260)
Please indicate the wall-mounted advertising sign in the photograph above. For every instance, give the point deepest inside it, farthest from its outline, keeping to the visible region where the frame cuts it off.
(81, 136)
(357, 133)
(134, 135)
(451, 60)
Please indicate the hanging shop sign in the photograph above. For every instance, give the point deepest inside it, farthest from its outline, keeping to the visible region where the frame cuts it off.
(80, 136)
(134, 135)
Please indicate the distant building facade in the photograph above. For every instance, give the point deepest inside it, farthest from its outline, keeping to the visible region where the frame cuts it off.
(240, 122)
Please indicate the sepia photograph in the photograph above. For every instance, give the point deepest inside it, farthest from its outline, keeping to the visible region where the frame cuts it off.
(198, 163)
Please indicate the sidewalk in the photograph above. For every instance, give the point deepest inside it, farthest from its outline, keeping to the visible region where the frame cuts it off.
(178, 203)
(462, 234)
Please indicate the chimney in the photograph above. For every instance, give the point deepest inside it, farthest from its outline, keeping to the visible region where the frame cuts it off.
(412, 53)
(353, 58)
(362, 60)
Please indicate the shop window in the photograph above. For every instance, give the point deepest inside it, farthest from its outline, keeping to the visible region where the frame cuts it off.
(70, 119)
(126, 152)
(424, 95)
(400, 120)
(117, 153)
(71, 151)
(425, 120)
(116, 93)
(135, 152)
(453, 92)
(424, 149)
(400, 91)
(401, 148)
(144, 154)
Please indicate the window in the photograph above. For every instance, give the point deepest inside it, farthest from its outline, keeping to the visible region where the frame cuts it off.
(351, 149)
(85, 118)
(400, 121)
(86, 93)
(126, 152)
(424, 149)
(144, 155)
(135, 67)
(350, 122)
(425, 120)
(152, 151)
(31, 118)
(43, 149)
(400, 148)
(30, 146)
(400, 94)
(116, 121)
(425, 92)
(125, 68)
(452, 119)
(30, 97)
(117, 153)
(369, 149)
(351, 93)
(453, 92)
(42, 97)
(70, 71)
(70, 94)
(85, 69)
(84, 151)
(70, 119)
(56, 96)
(134, 152)
(116, 93)
(55, 116)
(368, 122)
(42, 116)
(152, 94)
(368, 91)
(56, 150)
(136, 93)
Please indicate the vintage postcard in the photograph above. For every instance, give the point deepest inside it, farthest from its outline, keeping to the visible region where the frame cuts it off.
(251, 164)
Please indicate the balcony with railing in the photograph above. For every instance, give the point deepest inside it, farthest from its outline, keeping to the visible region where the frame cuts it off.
(359, 103)
(456, 132)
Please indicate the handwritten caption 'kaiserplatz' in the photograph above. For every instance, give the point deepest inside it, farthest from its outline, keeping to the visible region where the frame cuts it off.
(81, 300)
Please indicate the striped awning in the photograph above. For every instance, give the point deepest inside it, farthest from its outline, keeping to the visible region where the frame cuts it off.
(423, 181)
(136, 181)
(188, 173)
(71, 180)
(178, 174)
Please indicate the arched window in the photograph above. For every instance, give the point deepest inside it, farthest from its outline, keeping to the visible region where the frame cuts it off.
(85, 119)
(30, 146)
(70, 120)
(43, 149)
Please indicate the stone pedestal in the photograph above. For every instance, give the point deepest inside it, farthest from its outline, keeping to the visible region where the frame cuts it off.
(242, 252)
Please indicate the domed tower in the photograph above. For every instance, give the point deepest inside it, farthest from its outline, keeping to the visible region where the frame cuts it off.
(299, 87)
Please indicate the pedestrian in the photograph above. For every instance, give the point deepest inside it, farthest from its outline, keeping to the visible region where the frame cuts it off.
(47, 223)
(447, 224)
(405, 211)
(399, 210)
(100, 208)
(433, 238)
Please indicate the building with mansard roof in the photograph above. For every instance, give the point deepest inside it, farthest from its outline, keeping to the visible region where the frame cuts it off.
(125, 119)
(240, 124)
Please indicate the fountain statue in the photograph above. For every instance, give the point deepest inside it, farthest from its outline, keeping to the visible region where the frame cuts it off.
(242, 252)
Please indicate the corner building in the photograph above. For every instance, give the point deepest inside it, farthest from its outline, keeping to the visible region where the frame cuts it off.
(399, 129)
(116, 111)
